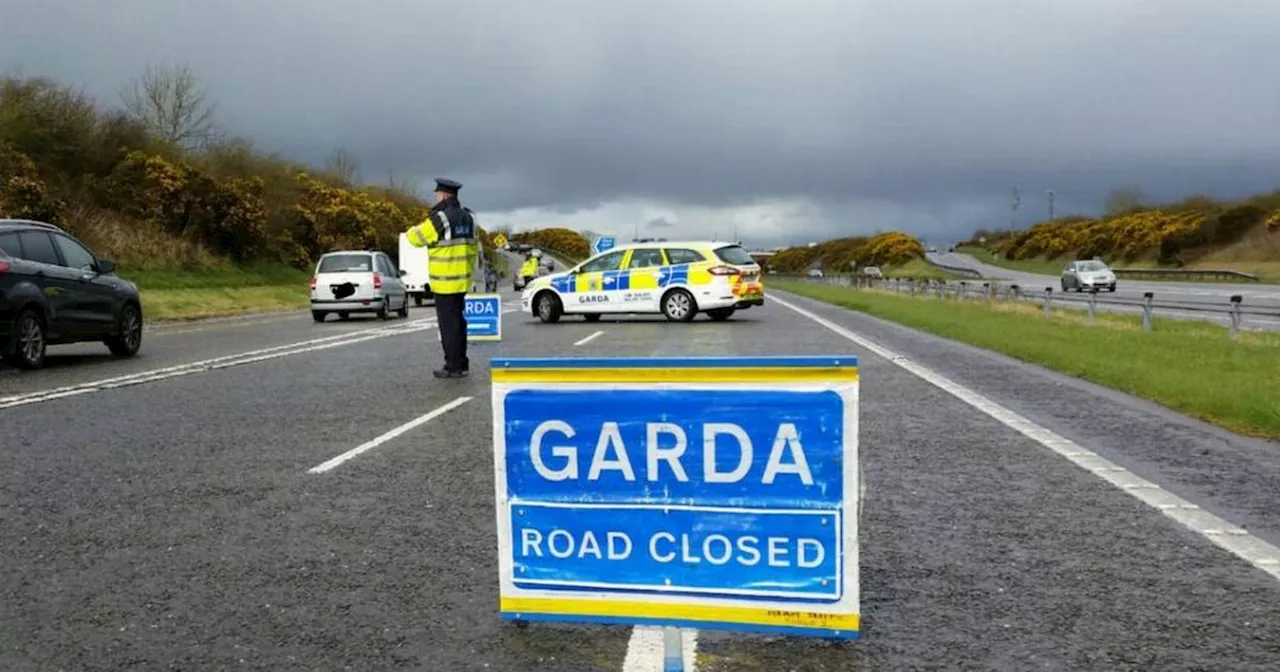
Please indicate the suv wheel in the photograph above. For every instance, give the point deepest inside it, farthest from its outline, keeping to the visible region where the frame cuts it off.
(28, 342)
(128, 338)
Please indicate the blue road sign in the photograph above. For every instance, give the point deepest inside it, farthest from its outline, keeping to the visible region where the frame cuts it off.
(717, 493)
(483, 313)
(603, 244)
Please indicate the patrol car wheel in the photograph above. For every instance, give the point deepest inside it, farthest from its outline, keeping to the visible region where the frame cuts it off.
(678, 306)
(548, 307)
(720, 314)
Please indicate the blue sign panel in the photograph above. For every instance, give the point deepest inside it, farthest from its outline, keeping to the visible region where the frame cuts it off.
(700, 492)
(603, 244)
(483, 313)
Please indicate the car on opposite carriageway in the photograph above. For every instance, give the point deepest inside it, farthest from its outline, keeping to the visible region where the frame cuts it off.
(674, 279)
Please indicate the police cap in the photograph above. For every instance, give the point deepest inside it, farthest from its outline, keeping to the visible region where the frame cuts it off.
(447, 186)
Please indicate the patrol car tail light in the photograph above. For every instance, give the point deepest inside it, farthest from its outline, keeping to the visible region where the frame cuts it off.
(377, 281)
(723, 270)
(313, 283)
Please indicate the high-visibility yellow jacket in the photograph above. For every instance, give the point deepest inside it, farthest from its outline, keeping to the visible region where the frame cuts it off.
(449, 232)
(529, 268)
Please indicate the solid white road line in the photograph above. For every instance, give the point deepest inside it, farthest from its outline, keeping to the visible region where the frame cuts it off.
(1235, 539)
(215, 363)
(364, 447)
(589, 338)
(644, 649)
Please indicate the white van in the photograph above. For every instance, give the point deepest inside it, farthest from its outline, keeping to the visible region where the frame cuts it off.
(415, 263)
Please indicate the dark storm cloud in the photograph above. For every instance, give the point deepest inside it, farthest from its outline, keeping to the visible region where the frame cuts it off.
(924, 111)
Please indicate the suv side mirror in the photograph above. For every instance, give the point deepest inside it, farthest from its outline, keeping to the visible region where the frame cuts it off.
(105, 266)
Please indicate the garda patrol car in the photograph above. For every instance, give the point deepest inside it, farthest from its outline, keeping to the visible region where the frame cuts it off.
(676, 279)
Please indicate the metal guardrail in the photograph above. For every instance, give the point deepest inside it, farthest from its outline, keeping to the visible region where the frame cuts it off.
(959, 270)
(1189, 273)
(1234, 309)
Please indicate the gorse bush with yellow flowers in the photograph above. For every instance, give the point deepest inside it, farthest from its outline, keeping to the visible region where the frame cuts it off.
(147, 202)
(1171, 235)
(565, 242)
(885, 249)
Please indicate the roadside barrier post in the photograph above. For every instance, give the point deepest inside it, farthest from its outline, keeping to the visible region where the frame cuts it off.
(1093, 304)
(658, 491)
(989, 291)
(964, 289)
(1146, 310)
(1235, 315)
(1048, 293)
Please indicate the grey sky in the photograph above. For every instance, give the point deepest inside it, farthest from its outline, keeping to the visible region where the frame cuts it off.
(782, 122)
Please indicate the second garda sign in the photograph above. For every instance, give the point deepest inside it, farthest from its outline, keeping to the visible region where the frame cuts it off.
(716, 493)
(483, 313)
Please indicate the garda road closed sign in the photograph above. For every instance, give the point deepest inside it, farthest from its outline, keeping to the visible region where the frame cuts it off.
(716, 493)
(483, 313)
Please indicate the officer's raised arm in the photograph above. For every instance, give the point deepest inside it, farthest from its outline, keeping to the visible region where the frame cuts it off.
(428, 232)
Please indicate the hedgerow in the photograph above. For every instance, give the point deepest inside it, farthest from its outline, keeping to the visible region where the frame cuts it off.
(563, 241)
(1173, 234)
(148, 202)
(885, 249)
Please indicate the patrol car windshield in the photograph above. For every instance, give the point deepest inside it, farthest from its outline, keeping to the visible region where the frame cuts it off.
(735, 255)
(346, 263)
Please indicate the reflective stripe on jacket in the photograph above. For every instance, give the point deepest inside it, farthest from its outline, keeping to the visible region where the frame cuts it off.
(449, 233)
(529, 268)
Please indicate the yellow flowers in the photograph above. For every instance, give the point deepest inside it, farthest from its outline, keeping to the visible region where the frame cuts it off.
(566, 242)
(885, 249)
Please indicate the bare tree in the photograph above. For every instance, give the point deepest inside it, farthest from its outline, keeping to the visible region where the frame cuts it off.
(343, 165)
(172, 105)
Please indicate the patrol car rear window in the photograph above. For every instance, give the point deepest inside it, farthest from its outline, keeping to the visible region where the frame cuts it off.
(734, 255)
(683, 256)
(346, 263)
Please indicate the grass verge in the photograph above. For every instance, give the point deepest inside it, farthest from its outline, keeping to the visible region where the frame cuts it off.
(170, 294)
(1191, 367)
(919, 268)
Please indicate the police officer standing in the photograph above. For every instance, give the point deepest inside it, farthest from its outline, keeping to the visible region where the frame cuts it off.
(450, 234)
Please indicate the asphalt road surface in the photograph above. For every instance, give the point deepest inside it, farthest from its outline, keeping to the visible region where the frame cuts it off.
(1253, 295)
(170, 519)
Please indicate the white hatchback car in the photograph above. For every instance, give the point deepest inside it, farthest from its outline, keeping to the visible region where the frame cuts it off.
(357, 281)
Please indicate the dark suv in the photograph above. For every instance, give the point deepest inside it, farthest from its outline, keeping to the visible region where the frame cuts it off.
(54, 290)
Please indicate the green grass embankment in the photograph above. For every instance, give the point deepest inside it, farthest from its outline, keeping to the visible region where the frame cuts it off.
(182, 294)
(1191, 367)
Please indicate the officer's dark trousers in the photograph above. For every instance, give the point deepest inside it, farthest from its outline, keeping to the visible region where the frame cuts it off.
(453, 331)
